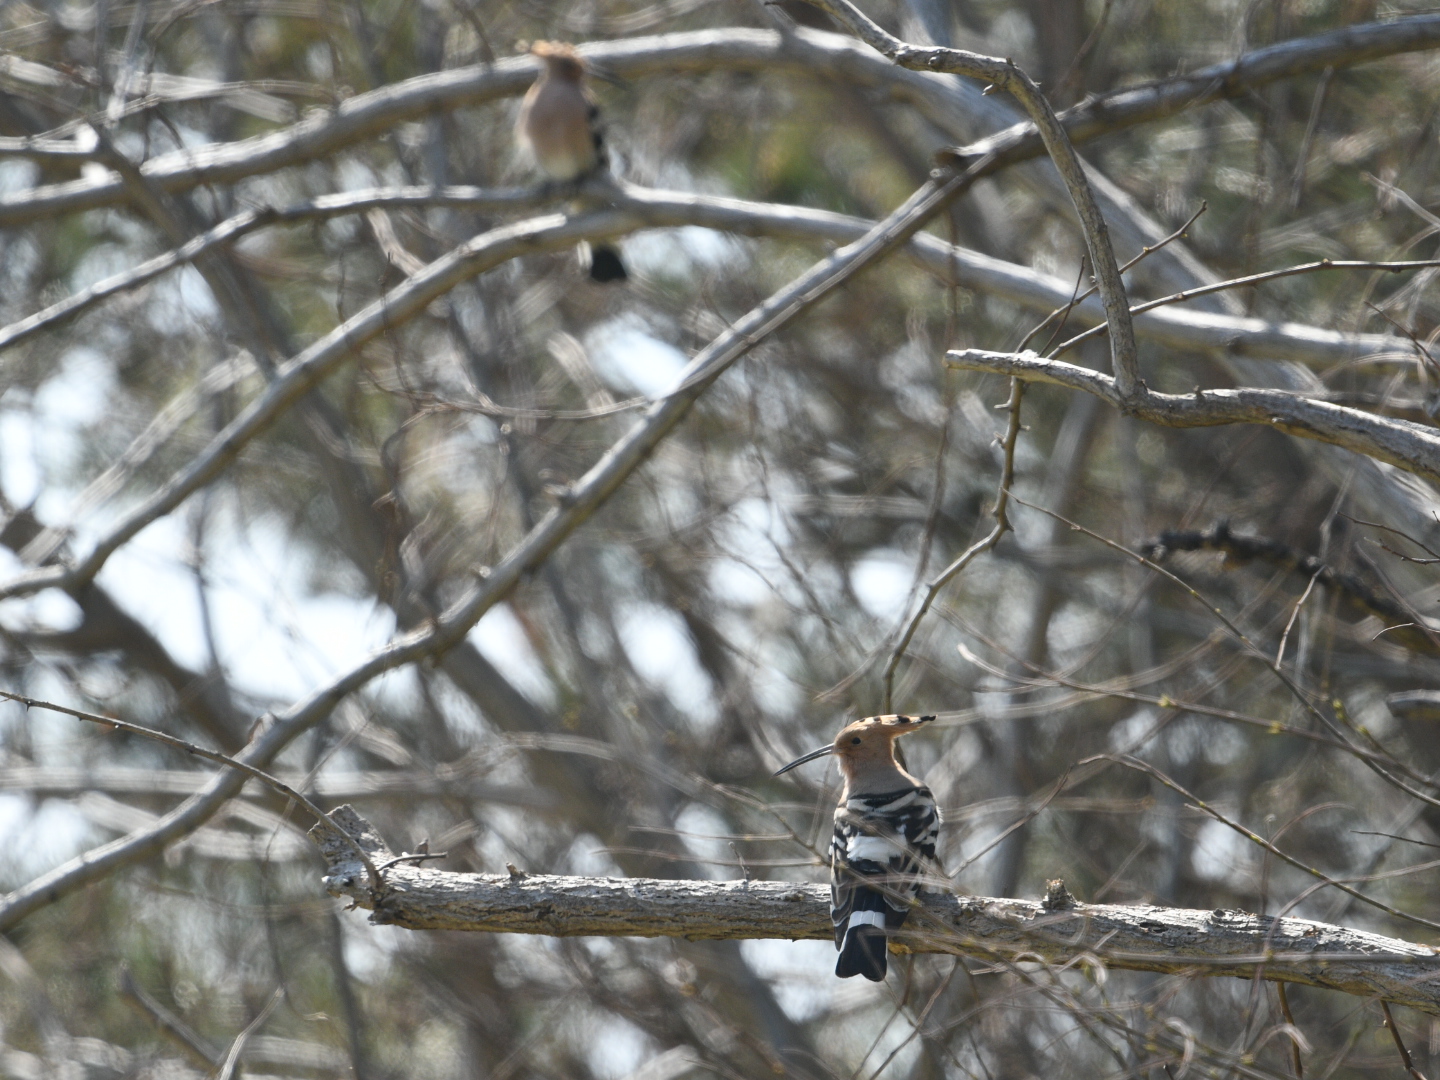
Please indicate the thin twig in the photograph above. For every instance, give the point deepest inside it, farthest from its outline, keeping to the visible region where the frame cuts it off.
(1009, 76)
(1410, 1068)
(227, 1069)
(1001, 527)
(1294, 614)
(1144, 253)
(1394, 267)
(1255, 838)
(376, 882)
(1297, 692)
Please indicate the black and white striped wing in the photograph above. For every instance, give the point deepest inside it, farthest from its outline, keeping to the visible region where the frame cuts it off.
(877, 855)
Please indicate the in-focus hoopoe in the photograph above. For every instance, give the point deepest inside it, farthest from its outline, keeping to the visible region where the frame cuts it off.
(558, 125)
(885, 829)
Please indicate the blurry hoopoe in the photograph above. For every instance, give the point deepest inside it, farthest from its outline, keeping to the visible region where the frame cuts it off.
(885, 829)
(558, 125)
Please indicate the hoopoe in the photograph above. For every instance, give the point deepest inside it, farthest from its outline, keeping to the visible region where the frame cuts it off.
(558, 125)
(885, 829)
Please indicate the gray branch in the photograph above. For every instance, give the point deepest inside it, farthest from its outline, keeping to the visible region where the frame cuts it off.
(1056, 931)
(367, 116)
(1413, 447)
(1175, 327)
(578, 502)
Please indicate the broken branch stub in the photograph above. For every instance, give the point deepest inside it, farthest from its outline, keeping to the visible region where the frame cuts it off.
(1130, 937)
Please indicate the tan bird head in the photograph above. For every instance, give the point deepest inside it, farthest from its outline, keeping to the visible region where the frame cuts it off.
(866, 752)
(561, 60)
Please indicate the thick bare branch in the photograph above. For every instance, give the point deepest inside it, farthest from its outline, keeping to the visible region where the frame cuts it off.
(1413, 447)
(1174, 327)
(1010, 77)
(1095, 116)
(577, 503)
(366, 116)
(1061, 932)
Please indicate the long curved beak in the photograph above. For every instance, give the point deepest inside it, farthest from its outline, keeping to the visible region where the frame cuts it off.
(808, 757)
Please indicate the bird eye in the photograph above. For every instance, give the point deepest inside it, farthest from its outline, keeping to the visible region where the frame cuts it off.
(855, 741)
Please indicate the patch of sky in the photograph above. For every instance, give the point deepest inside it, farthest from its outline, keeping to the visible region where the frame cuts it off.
(1133, 735)
(369, 949)
(16, 176)
(81, 394)
(48, 610)
(617, 1047)
(98, 263)
(274, 636)
(701, 829)
(754, 528)
(734, 582)
(501, 640)
(801, 974)
(277, 641)
(681, 252)
(19, 467)
(659, 646)
(1220, 853)
(631, 359)
(775, 691)
(35, 839)
(882, 581)
(18, 256)
(191, 294)
(150, 578)
(588, 858)
(353, 174)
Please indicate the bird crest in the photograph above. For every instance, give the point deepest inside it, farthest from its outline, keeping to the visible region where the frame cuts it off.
(561, 58)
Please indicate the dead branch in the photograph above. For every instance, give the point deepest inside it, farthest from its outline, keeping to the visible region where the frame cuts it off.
(580, 500)
(368, 115)
(1412, 447)
(1055, 931)
(650, 208)
(1244, 549)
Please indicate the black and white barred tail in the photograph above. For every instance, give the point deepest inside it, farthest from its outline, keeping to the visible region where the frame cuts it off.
(881, 844)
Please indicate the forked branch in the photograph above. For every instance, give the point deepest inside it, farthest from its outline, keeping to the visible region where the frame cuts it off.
(1413, 447)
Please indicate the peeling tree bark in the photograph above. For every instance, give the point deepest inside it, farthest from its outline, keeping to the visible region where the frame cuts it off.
(1055, 931)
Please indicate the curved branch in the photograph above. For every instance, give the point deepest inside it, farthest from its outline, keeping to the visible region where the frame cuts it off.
(367, 115)
(1172, 327)
(576, 504)
(1011, 77)
(1056, 930)
(1133, 105)
(1413, 447)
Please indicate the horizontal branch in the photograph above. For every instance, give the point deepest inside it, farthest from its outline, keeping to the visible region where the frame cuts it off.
(1133, 105)
(579, 501)
(368, 115)
(1174, 327)
(1413, 447)
(1057, 931)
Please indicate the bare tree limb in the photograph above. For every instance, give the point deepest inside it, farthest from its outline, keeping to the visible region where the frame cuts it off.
(579, 501)
(1007, 75)
(321, 818)
(1060, 932)
(1174, 327)
(366, 116)
(1284, 60)
(1413, 447)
